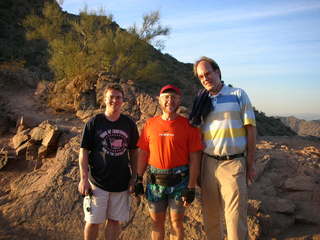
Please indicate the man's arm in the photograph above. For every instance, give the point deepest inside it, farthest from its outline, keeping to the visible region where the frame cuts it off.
(194, 168)
(251, 148)
(142, 162)
(141, 168)
(84, 185)
(189, 193)
(133, 154)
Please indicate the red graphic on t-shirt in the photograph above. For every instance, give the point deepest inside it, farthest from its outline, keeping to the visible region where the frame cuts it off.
(115, 142)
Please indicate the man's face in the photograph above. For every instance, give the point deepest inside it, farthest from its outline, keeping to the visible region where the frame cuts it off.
(169, 102)
(113, 100)
(208, 77)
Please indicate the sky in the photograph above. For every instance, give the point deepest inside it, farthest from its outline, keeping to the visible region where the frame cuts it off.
(269, 48)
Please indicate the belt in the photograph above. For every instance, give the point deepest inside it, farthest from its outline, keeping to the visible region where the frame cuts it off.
(167, 179)
(226, 157)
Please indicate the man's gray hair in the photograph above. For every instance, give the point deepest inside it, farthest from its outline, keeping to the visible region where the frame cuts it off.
(212, 62)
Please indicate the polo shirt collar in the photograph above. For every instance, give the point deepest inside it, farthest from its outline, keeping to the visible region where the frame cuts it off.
(222, 91)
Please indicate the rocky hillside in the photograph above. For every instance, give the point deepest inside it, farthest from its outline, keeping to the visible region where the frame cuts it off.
(302, 127)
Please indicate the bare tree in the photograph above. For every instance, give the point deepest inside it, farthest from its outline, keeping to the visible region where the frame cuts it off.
(150, 29)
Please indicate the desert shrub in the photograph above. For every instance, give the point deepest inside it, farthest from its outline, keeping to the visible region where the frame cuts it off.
(92, 42)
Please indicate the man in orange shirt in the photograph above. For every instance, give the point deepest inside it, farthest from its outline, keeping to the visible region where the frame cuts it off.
(171, 148)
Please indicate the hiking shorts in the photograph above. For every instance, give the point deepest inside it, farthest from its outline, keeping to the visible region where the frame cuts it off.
(162, 205)
(160, 197)
(103, 205)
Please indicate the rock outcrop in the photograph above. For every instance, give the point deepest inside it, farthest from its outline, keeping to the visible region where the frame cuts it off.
(289, 185)
(37, 143)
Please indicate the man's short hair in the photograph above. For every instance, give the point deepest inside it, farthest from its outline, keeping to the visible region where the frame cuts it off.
(212, 62)
(113, 86)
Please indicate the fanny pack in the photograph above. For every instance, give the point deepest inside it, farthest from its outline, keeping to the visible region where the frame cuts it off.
(168, 180)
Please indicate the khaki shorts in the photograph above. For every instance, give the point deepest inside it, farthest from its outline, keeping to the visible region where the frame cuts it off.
(105, 205)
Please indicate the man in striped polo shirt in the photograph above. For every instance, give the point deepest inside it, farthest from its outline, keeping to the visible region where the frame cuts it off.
(228, 128)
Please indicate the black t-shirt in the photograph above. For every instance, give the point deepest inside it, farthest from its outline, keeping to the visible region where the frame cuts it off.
(108, 143)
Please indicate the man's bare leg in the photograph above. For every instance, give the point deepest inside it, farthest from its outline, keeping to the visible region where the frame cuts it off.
(112, 230)
(91, 231)
(176, 220)
(158, 220)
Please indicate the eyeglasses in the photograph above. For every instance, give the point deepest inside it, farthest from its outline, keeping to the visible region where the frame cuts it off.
(167, 96)
(114, 97)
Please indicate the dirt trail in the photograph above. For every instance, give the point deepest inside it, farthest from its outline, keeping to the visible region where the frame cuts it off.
(25, 103)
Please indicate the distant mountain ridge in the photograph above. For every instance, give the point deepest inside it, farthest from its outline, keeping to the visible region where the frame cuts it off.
(302, 127)
(306, 116)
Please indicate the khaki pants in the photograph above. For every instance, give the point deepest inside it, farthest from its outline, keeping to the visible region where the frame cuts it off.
(224, 190)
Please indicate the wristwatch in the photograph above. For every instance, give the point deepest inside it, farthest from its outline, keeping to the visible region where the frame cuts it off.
(139, 179)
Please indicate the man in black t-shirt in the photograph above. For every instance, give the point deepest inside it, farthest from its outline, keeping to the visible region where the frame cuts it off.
(108, 147)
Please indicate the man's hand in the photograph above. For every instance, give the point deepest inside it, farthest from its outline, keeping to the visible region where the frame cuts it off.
(251, 173)
(251, 148)
(84, 187)
(188, 195)
(138, 188)
(132, 183)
